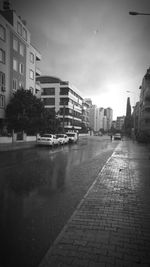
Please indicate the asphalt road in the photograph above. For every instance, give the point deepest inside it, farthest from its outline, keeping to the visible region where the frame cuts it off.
(39, 190)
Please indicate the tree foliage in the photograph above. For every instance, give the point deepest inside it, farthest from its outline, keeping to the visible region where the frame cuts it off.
(25, 112)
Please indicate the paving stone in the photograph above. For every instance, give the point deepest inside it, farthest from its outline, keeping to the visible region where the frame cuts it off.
(111, 226)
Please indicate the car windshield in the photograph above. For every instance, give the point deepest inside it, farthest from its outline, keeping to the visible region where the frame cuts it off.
(46, 135)
(71, 134)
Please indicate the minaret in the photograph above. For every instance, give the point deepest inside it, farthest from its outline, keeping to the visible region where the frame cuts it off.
(128, 109)
(128, 118)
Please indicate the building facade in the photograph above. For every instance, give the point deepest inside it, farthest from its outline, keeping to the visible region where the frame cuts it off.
(85, 114)
(108, 112)
(142, 109)
(92, 117)
(120, 123)
(18, 58)
(100, 118)
(65, 99)
(135, 116)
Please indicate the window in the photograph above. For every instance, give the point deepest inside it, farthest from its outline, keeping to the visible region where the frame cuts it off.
(21, 84)
(48, 91)
(21, 68)
(32, 90)
(19, 28)
(64, 91)
(32, 74)
(49, 101)
(24, 34)
(63, 101)
(32, 57)
(147, 121)
(15, 65)
(2, 81)
(147, 109)
(2, 56)
(21, 49)
(2, 33)
(15, 44)
(14, 84)
(2, 101)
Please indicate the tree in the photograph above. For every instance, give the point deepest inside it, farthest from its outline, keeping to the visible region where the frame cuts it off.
(50, 121)
(25, 112)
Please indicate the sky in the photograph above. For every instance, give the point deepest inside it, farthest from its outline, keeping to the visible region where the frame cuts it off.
(94, 44)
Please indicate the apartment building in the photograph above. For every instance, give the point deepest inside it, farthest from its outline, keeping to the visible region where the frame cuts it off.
(85, 113)
(143, 109)
(135, 117)
(113, 125)
(101, 116)
(88, 101)
(120, 123)
(18, 58)
(64, 98)
(108, 112)
(92, 117)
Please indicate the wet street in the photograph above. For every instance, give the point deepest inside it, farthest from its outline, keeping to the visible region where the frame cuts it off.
(39, 190)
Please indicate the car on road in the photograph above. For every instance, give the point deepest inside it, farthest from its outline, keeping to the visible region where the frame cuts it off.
(73, 137)
(117, 136)
(62, 138)
(47, 140)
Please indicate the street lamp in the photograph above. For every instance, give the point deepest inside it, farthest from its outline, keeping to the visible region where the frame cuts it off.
(133, 13)
(73, 119)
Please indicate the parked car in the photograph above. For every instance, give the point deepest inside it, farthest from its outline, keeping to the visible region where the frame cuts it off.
(47, 140)
(62, 138)
(73, 137)
(117, 136)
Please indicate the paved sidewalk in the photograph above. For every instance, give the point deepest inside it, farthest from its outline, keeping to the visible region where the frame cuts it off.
(17, 145)
(111, 225)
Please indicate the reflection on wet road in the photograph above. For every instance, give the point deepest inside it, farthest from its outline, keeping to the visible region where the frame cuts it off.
(39, 190)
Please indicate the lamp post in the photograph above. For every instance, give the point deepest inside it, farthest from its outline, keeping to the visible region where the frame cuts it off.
(134, 13)
(73, 119)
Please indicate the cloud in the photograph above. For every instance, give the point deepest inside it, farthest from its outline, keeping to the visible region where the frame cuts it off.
(94, 44)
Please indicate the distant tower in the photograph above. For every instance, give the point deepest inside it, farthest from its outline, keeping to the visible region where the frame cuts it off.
(128, 118)
(128, 109)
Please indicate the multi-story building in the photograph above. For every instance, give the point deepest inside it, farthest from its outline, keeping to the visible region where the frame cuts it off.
(108, 112)
(97, 122)
(120, 123)
(92, 117)
(89, 101)
(144, 109)
(64, 98)
(85, 114)
(101, 116)
(135, 116)
(105, 123)
(113, 125)
(18, 58)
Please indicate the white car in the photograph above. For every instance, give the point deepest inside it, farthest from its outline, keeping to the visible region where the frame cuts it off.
(47, 140)
(73, 137)
(62, 138)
